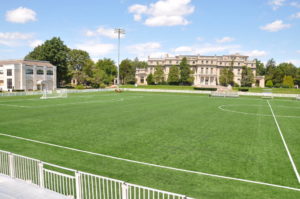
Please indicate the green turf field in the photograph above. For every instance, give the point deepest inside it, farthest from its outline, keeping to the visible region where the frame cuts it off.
(233, 137)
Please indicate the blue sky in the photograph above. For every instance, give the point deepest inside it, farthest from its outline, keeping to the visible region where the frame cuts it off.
(262, 29)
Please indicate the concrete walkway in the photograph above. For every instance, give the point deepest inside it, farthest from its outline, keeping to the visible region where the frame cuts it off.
(18, 189)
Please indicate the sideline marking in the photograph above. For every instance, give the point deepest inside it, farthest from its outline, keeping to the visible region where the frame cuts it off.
(284, 143)
(222, 107)
(15, 105)
(153, 165)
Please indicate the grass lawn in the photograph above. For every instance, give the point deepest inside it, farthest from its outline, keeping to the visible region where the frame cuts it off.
(224, 136)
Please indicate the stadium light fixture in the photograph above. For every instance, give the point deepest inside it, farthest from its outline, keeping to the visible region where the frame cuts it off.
(119, 31)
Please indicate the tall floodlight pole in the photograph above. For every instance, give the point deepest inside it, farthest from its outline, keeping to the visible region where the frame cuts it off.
(119, 31)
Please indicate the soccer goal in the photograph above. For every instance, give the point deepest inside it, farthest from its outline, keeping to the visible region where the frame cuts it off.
(50, 94)
(267, 94)
(224, 94)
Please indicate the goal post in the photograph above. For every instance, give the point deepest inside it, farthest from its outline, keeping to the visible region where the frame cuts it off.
(51, 94)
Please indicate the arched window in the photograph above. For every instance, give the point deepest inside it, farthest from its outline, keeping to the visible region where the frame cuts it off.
(29, 71)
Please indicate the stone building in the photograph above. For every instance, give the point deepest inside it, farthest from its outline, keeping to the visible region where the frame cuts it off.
(27, 75)
(206, 68)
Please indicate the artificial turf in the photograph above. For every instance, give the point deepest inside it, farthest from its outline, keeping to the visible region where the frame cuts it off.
(225, 136)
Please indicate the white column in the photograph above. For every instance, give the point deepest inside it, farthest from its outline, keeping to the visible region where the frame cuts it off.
(78, 185)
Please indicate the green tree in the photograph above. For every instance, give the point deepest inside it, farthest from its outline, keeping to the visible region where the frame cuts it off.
(97, 78)
(127, 72)
(269, 84)
(260, 68)
(158, 75)
(186, 77)
(247, 77)
(288, 82)
(109, 68)
(173, 77)
(77, 61)
(150, 80)
(297, 78)
(56, 52)
(226, 77)
(270, 70)
(139, 64)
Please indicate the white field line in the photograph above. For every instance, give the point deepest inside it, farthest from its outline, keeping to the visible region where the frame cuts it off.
(285, 145)
(153, 165)
(222, 107)
(12, 105)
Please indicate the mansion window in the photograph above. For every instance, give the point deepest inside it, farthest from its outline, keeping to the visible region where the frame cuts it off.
(170, 62)
(49, 72)
(9, 83)
(206, 70)
(1, 72)
(9, 72)
(239, 71)
(142, 80)
(206, 61)
(201, 70)
(40, 72)
(29, 71)
(211, 71)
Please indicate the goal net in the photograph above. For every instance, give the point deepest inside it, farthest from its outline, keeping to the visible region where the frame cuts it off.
(224, 94)
(50, 94)
(267, 94)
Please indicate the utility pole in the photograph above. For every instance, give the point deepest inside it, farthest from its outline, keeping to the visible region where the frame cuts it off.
(119, 31)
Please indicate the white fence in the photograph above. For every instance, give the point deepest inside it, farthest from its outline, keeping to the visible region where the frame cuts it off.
(7, 94)
(75, 184)
(207, 92)
(149, 90)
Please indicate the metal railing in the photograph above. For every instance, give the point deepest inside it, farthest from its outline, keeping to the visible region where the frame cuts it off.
(75, 184)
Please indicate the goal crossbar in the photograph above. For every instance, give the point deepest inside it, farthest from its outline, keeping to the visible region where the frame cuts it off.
(51, 94)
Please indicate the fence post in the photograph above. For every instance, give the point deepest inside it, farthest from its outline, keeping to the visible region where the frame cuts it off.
(11, 165)
(124, 191)
(78, 185)
(41, 174)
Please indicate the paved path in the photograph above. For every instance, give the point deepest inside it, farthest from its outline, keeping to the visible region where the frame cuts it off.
(18, 189)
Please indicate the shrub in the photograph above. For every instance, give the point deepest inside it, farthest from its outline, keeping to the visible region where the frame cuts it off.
(244, 89)
(277, 85)
(269, 84)
(79, 86)
(205, 89)
(102, 85)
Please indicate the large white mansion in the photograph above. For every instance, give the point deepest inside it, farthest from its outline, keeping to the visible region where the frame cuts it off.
(206, 68)
(27, 75)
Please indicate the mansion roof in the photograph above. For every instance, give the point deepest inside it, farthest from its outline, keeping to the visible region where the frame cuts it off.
(27, 62)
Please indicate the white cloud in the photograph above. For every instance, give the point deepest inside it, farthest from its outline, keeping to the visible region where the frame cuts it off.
(142, 50)
(275, 26)
(276, 3)
(295, 4)
(96, 49)
(206, 49)
(255, 53)
(20, 15)
(225, 40)
(14, 38)
(199, 38)
(101, 31)
(163, 12)
(183, 49)
(36, 43)
(296, 16)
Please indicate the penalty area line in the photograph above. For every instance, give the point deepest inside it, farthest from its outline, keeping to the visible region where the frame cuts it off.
(153, 165)
(285, 144)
